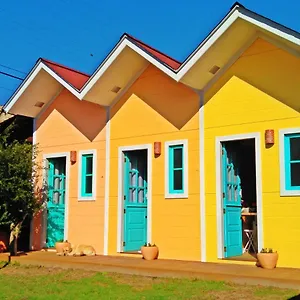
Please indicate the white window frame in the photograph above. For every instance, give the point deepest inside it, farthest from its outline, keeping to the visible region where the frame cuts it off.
(185, 193)
(283, 190)
(81, 153)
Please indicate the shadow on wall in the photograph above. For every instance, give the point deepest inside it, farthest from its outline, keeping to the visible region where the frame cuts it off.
(173, 101)
(88, 118)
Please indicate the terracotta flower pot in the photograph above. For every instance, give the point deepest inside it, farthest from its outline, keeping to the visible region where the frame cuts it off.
(60, 246)
(267, 260)
(149, 253)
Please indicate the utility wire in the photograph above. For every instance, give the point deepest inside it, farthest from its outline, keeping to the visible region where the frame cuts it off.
(3, 87)
(10, 75)
(10, 68)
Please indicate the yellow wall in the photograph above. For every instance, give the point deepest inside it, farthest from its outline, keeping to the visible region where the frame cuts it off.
(260, 91)
(70, 124)
(156, 108)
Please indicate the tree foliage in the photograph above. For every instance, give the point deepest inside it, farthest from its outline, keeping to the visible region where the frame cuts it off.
(18, 177)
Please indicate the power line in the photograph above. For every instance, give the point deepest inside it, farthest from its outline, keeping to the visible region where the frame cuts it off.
(10, 68)
(3, 87)
(10, 75)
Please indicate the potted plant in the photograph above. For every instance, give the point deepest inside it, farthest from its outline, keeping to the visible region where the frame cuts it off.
(267, 258)
(61, 245)
(149, 252)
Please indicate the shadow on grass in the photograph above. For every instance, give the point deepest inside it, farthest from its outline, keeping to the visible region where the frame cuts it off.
(6, 263)
(297, 297)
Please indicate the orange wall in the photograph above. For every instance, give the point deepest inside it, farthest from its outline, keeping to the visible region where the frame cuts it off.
(156, 108)
(70, 124)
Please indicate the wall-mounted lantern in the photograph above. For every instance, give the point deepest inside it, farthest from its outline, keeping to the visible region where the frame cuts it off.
(157, 148)
(73, 157)
(269, 137)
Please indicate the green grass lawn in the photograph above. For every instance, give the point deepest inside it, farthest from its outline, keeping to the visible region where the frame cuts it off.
(28, 282)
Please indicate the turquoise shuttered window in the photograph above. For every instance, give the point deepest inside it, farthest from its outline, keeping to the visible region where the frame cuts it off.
(87, 175)
(292, 161)
(176, 169)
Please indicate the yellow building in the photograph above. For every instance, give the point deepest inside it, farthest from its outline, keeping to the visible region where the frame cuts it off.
(201, 158)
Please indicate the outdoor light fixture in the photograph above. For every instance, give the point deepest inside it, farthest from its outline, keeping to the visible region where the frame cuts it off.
(73, 156)
(115, 89)
(214, 70)
(39, 104)
(157, 148)
(269, 137)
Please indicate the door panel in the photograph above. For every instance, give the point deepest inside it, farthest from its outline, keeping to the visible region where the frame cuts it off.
(135, 200)
(231, 204)
(136, 224)
(56, 201)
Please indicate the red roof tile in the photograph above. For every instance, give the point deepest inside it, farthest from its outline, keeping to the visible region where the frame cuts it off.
(74, 77)
(78, 79)
(169, 61)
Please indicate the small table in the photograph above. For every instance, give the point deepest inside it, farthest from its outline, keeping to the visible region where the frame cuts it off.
(249, 214)
(251, 234)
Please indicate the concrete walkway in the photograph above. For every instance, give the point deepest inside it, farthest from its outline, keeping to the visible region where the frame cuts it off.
(280, 277)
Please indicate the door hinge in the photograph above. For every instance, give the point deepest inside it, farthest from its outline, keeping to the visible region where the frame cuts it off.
(145, 217)
(124, 197)
(124, 159)
(46, 241)
(225, 249)
(124, 211)
(124, 244)
(224, 211)
(223, 195)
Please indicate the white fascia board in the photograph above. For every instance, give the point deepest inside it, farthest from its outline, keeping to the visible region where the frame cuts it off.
(152, 60)
(205, 46)
(60, 80)
(268, 25)
(23, 87)
(246, 15)
(31, 76)
(101, 70)
(115, 54)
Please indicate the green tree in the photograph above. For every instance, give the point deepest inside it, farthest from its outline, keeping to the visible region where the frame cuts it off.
(19, 197)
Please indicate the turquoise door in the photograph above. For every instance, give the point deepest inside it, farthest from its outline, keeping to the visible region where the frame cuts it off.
(56, 201)
(231, 205)
(135, 200)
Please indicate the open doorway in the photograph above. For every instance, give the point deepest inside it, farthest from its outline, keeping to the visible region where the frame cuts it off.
(135, 199)
(239, 199)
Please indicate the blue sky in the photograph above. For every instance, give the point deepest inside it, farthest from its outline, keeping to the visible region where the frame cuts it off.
(80, 33)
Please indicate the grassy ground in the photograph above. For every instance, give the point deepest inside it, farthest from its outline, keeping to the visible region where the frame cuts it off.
(28, 282)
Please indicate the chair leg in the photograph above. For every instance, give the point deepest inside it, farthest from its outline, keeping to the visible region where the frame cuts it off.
(252, 245)
(247, 246)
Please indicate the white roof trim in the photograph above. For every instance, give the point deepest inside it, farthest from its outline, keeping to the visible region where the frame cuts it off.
(35, 71)
(206, 44)
(268, 25)
(232, 16)
(100, 71)
(22, 88)
(60, 80)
